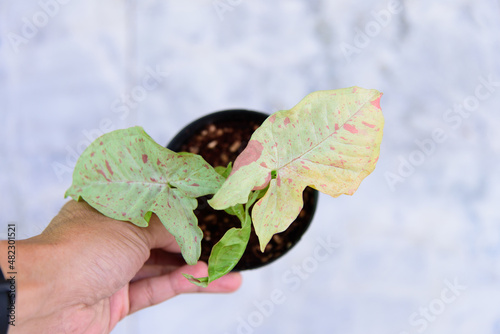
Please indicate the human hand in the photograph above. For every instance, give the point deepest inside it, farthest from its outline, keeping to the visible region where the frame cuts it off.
(86, 272)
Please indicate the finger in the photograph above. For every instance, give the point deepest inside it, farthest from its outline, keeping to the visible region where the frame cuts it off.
(159, 237)
(159, 263)
(148, 271)
(154, 290)
(161, 257)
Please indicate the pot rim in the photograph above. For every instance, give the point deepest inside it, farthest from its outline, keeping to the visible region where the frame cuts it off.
(193, 127)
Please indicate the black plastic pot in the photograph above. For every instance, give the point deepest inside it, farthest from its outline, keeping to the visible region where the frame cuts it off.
(223, 124)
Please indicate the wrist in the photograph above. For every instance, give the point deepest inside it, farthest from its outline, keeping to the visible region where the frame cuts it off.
(32, 284)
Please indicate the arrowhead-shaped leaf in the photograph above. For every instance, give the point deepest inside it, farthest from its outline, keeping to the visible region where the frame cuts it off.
(225, 254)
(127, 176)
(329, 141)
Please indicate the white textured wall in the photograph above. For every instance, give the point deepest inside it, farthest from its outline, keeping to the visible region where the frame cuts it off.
(400, 243)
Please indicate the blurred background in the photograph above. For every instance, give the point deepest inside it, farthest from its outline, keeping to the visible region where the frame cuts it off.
(415, 250)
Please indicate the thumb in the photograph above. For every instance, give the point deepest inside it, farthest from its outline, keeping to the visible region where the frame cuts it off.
(159, 237)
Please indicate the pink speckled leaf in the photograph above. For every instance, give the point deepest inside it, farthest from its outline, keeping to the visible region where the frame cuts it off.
(127, 176)
(329, 141)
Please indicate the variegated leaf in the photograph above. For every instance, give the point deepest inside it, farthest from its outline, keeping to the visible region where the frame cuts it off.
(329, 141)
(127, 176)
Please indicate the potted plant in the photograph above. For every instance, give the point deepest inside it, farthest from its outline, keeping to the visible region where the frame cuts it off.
(219, 138)
(329, 141)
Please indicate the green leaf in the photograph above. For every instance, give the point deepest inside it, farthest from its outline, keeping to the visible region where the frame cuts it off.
(202, 281)
(225, 254)
(329, 141)
(127, 176)
(228, 251)
(237, 210)
(224, 171)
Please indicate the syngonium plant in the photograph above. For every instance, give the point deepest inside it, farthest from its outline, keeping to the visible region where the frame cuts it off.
(329, 141)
